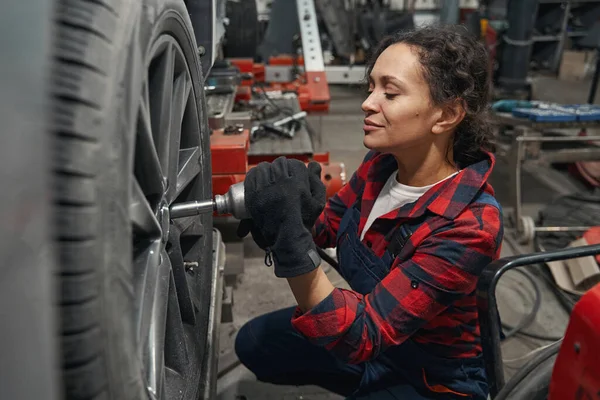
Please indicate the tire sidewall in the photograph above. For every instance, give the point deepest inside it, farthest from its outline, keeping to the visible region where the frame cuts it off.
(123, 364)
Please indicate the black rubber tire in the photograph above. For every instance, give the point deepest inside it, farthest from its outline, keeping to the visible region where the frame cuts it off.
(532, 380)
(99, 52)
(241, 41)
(535, 386)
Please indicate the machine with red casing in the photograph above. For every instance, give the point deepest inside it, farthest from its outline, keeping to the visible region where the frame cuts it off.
(576, 373)
(568, 369)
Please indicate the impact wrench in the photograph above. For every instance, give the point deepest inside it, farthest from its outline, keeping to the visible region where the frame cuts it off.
(231, 203)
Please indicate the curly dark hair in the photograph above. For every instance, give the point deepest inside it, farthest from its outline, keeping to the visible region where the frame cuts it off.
(455, 66)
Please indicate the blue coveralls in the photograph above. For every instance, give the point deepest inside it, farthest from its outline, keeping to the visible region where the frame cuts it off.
(271, 348)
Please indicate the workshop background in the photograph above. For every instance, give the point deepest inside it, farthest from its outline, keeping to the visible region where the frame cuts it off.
(129, 128)
(543, 58)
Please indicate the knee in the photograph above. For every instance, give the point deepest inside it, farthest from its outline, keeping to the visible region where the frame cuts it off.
(246, 346)
(264, 343)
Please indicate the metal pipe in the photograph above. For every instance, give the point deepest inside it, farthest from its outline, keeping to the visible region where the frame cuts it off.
(514, 64)
(562, 228)
(298, 116)
(557, 138)
(450, 12)
(570, 155)
(594, 86)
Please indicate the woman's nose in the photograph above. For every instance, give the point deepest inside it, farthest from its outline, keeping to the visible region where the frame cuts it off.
(369, 105)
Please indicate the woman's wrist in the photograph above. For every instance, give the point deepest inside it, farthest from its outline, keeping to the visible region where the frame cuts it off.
(311, 288)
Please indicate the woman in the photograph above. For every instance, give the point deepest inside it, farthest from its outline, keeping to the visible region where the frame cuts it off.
(413, 228)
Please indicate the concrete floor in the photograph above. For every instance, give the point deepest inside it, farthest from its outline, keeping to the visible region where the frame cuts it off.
(258, 291)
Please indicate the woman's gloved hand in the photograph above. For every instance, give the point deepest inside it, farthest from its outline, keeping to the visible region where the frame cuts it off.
(284, 199)
(310, 210)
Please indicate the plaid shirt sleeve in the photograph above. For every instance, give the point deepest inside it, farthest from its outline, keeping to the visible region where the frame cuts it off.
(328, 222)
(444, 267)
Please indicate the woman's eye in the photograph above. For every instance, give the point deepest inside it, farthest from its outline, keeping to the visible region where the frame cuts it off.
(390, 96)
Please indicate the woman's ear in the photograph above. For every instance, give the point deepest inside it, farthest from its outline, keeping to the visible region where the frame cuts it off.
(451, 115)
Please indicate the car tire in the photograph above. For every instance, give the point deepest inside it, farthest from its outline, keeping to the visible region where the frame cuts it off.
(133, 326)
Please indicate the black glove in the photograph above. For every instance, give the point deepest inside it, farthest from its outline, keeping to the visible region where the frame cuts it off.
(310, 210)
(284, 199)
(314, 207)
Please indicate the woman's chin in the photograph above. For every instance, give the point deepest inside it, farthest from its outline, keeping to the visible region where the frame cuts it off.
(371, 143)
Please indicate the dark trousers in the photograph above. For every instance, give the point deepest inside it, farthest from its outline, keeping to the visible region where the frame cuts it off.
(272, 349)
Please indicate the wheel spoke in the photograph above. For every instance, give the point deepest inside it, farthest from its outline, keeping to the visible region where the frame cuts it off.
(182, 89)
(161, 98)
(189, 223)
(142, 217)
(155, 304)
(145, 264)
(186, 306)
(189, 168)
(181, 93)
(176, 352)
(147, 165)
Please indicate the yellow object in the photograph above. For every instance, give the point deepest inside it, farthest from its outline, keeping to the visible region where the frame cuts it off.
(483, 22)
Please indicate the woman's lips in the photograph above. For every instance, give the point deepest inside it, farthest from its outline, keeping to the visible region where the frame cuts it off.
(369, 126)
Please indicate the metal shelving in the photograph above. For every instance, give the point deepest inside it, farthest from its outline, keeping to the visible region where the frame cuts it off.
(559, 25)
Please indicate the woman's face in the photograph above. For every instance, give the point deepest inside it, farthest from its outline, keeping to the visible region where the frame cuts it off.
(399, 113)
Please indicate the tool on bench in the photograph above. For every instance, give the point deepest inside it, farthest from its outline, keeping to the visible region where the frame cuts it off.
(278, 127)
(231, 202)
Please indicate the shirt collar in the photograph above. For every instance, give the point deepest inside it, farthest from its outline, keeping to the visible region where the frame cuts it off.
(449, 197)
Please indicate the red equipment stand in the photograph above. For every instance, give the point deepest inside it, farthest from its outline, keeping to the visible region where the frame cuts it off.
(230, 162)
(311, 87)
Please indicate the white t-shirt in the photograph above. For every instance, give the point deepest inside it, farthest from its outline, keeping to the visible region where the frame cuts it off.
(394, 195)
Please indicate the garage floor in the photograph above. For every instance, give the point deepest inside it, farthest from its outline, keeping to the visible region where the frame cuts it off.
(258, 291)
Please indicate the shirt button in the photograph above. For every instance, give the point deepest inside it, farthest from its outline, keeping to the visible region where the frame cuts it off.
(414, 284)
(369, 244)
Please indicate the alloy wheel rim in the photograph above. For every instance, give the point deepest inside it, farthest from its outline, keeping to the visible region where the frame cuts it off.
(166, 170)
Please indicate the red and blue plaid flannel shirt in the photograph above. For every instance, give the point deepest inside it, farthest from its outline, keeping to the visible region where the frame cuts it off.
(461, 233)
